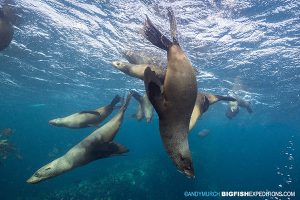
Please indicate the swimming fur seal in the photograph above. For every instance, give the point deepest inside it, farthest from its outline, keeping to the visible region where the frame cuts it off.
(137, 71)
(86, 118)
(233, 107)
(175, 99)
(6, 29)
(202, 104)
(143, 57)
(145, 108)
(97, 145)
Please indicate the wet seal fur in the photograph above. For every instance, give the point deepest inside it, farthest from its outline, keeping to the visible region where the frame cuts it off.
(6, 27)
(137, 70)
(173, 100)
(97, 145)
(85, 119)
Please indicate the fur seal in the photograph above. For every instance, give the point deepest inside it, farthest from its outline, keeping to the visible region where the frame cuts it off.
(143, 57)
(202, 104)
(233, 107)
(145, 108)
(203, 133)
(97, 145)
(173, 100)
(137, 71)
(86, 118)
(6, 30)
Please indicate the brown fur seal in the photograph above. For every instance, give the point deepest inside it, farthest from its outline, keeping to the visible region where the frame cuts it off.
(233, 107)
(202, 104)
(137, 71)
(145, 108)
(143, 57)
(97, 145)
(175, 99)
(6, 29)
(86, 118)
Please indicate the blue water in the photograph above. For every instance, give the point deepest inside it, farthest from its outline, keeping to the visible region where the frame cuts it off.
(59, 63)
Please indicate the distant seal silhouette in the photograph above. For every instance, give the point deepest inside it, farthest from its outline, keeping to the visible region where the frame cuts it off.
(6, 30)
(145, 108)
(137, 71)
(86, 118)
(203, 133)
(175, 99)
(97, 145)
(233, 107)
(202, 104)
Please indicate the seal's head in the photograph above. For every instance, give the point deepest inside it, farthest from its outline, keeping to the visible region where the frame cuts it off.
(56, 122)
(45, 172)
(185, 166)
(120, 65)
(183, 161)
(232, 110)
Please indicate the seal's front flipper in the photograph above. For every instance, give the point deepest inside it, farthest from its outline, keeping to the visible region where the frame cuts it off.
(93, 125)
(154, 89)
(91, 112)
(215, 98)
(249, 109)
(108, 149)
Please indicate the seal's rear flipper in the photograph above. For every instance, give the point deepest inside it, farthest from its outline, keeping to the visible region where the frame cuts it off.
(152, 34)
(173, 25)
(215, 98)
(154, 89)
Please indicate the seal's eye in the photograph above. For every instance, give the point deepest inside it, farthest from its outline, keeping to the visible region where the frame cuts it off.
(48, 168)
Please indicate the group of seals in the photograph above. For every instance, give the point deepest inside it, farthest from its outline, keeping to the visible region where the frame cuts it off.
(97, 145)
(86, 118)
(171, 91)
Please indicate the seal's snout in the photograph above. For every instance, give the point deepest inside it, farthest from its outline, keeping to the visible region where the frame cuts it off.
(189, 173)
(32, 180)
(116, 64)
(52, 122)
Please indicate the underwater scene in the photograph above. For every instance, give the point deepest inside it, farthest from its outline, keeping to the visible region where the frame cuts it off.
(149, 99)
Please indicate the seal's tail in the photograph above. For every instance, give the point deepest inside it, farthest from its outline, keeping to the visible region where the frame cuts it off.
(152, 34)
